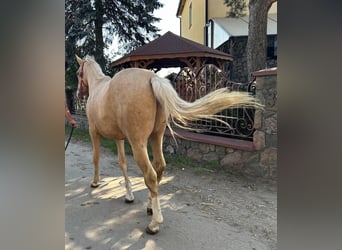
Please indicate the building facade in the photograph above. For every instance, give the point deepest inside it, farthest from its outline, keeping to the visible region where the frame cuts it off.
(206, 22)
(195, 16)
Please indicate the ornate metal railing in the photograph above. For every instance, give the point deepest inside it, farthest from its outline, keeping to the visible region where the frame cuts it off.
(80, 105)
(192, 85)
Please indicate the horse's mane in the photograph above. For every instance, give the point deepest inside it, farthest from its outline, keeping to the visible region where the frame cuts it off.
(91, 60)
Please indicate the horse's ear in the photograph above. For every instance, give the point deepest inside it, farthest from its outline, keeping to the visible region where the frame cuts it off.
(79, 60)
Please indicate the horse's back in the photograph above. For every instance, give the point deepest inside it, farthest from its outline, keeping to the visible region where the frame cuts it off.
(132, 81)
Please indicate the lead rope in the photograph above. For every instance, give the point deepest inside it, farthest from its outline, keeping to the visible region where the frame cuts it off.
(72, 129)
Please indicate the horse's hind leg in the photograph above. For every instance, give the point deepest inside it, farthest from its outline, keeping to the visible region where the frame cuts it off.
(123, 165)
(158, 163)
(150, 177)
(96, 141)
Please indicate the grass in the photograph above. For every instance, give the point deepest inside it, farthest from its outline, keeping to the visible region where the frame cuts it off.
(84, 136)
(175, 160)
(78, 134)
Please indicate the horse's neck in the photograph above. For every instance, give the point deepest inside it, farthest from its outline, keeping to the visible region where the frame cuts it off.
(96, 79)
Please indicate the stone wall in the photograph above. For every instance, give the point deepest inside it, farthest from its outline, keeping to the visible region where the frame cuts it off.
(257, 158)
(265, 122)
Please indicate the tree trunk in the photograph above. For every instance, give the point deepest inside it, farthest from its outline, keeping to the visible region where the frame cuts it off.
(257, 35)
(99, 43)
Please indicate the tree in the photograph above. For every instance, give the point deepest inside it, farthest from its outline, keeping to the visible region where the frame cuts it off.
(237, 8)
(257, 35)
(257, 30)
(91, 26)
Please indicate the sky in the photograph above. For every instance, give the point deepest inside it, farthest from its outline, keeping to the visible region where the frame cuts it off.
(169, 20)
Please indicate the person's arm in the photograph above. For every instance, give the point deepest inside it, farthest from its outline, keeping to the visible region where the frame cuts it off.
(71, 120)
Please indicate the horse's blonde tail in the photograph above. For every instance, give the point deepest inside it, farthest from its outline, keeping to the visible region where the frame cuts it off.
(181, 112)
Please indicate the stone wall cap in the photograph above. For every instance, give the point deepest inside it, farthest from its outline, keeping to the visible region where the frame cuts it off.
(265, 72)
(214, 140)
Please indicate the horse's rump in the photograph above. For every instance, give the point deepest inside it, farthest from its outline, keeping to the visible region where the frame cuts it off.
(135, 105)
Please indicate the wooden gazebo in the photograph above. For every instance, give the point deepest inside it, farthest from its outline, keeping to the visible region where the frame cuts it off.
(171, 50)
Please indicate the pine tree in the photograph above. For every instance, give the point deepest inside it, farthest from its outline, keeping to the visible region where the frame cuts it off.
(237, 8)
(91, 25)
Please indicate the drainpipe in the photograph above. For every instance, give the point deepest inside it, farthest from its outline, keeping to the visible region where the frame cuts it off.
(209, 34)
(206, 24)
(180, 25)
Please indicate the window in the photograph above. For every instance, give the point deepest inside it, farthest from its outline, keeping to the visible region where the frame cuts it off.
(272, 47)
(190, 15)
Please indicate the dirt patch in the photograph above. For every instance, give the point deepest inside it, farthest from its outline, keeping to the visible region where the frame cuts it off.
(202, 208)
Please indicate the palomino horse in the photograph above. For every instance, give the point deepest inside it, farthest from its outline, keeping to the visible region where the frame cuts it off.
(137, 105)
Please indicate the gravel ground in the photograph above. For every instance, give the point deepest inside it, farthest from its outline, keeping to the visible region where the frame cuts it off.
(202, 208)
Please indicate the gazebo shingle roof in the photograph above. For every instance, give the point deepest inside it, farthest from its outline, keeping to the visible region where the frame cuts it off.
(168, 51)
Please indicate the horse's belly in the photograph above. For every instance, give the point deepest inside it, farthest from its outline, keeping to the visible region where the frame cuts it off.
(106, 127)
(111, 135)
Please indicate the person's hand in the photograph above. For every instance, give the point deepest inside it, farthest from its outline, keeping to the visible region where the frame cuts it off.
(73, 123)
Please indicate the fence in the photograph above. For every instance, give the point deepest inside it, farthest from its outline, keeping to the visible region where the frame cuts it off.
(257, 157)
(191, 86)
(80, 105)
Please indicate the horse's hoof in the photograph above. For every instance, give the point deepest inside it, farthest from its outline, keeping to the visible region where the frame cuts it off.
(149, 231)
(128, 201)
(93, 185)
(149, 211)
